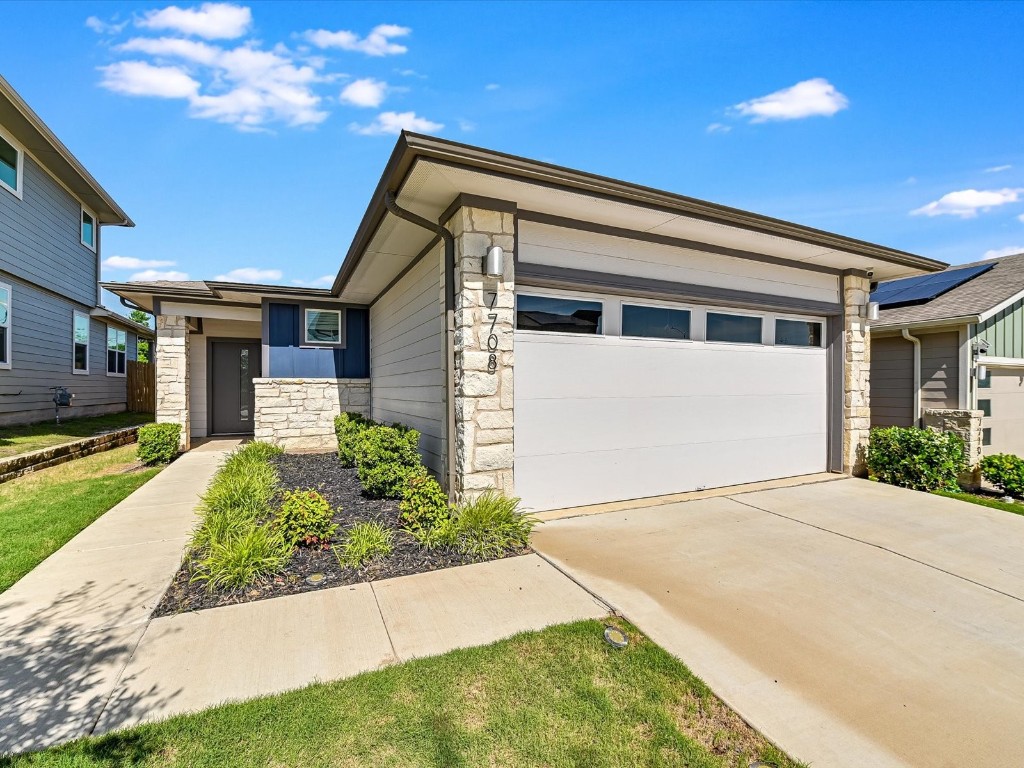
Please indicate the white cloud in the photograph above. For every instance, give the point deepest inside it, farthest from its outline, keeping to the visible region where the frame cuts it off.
(377, 43)
(130, 262)
(491, 87)
(101, 27)
(149, 275)
(364, 93)
(998, 168)
(250, 275)
(966, 203)
(466, 126)
(718, 128)
(247, 87)
(396, 122)
(1021, 218)
(809, 98)
(322, 281)
(998, 253)
(410, 73)
(139, 78)
(213, 21)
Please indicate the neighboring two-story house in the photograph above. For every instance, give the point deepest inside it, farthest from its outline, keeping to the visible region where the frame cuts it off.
(53, 329)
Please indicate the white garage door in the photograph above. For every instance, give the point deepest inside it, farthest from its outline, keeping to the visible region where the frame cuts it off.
(606, 408)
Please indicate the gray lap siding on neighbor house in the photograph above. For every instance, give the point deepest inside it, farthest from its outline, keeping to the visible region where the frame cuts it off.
(407, 357)
(892, 376)
(41, 357)
(40, 238)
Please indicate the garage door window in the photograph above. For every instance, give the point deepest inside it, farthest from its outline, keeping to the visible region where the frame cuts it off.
(739, 329)
(558, 315)
(655, 322)
(797, 333)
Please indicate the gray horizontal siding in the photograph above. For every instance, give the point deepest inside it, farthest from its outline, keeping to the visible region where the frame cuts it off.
(407, 357)
(892, 382)
(40, 238)
(41, 357)
(940, 370)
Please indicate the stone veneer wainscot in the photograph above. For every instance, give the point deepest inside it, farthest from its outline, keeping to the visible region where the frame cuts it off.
(298, 414)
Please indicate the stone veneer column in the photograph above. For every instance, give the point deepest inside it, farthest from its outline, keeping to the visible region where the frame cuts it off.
(483, 353)
(856, 374)
(172, 374)
(967, 425)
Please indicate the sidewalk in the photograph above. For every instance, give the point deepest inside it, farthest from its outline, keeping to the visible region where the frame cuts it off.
(79, 653)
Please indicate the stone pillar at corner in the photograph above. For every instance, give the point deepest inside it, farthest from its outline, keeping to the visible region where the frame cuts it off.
(172, 375)
(856, 375)
(484, 324)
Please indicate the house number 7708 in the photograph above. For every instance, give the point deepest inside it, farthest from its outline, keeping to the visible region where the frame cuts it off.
(492, 338)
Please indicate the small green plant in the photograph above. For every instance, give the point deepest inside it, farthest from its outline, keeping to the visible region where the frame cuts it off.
(246, 557)
(424, 505)
(306, 518)
(922, 459)
(491, 525)
(387, 458)
(365, 542)
(158, 443)
(1006, 472)
(348, 427)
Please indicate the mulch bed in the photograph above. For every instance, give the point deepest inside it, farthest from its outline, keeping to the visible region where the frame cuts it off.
(340, 486)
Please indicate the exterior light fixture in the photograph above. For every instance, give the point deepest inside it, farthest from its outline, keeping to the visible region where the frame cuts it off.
(494, 261)
(982, 372)
(615, 637)
(870, 311)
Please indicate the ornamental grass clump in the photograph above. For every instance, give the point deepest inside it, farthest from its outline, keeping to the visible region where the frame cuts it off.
(348, 427)
(306, 519)
(363, 543)
(921, 459)
(245, 557)
(386, 458)
(489, 526)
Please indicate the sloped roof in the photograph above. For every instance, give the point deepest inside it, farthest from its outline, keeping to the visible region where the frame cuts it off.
(975, 297)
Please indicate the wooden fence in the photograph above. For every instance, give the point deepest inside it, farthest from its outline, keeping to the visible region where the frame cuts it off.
(141, 387)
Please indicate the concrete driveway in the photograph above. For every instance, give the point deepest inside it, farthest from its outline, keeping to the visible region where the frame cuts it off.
(851, 622)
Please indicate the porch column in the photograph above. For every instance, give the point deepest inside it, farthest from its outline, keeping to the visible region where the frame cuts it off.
(172, 374)
(484, 308)
(856, 374)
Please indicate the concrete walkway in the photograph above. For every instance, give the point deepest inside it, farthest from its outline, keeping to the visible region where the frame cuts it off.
(852, 623)
(79, 653)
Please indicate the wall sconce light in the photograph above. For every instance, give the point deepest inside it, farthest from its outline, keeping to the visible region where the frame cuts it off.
(870, 311)
(494, 261)
(982, 372)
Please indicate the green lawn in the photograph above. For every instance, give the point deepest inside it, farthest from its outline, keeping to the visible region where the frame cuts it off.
(41, 511)
(985, 501)
(32, 437)
(559, 697)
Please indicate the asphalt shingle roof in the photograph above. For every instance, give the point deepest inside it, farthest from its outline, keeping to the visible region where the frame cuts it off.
(974, 297)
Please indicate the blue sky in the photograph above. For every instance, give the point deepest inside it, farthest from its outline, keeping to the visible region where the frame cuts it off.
(246, 139)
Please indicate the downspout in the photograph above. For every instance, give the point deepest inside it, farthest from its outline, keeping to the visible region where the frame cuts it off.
(449, 311)
(132, 305)
(917, 374)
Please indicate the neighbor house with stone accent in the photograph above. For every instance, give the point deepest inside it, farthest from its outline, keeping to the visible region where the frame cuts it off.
(54, 331)
(949, 349)
(565, 337)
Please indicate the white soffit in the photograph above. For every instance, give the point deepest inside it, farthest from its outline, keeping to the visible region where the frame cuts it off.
(430, 188)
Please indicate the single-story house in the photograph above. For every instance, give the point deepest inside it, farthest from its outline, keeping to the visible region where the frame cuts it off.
(562, 336)
(54, 330)
(935, 334)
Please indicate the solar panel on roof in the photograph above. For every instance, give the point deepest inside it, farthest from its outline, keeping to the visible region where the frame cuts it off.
(915, 290)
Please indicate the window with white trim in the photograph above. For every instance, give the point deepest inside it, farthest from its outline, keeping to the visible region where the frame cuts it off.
(558, 314)
(11, 166)
(117, 351)
(649, 322)
(736, 329)
(323, 326)
(80, 343)
(797, 333)
(88, 230)
(5, 326)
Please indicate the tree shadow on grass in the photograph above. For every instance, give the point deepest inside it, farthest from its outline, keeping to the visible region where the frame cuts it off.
(58, 672)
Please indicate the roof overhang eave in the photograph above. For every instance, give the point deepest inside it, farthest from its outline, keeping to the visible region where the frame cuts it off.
(936, 323)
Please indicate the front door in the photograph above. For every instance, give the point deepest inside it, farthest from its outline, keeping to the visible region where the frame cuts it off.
(233, 364)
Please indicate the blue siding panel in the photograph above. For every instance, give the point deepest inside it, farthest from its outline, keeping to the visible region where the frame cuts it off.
(289, 360)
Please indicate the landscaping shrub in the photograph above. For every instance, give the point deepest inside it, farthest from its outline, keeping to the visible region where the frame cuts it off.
(348, 427)
(921, 459)
(306, 518)
(245, 557)
(365, 542)
(158, 443)
(424, 505)
(489, 526)
(1006, 472)
(386, 458)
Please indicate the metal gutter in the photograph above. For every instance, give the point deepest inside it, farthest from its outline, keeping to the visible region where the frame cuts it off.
(917, 375)
(445, 234)
(963, 320)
